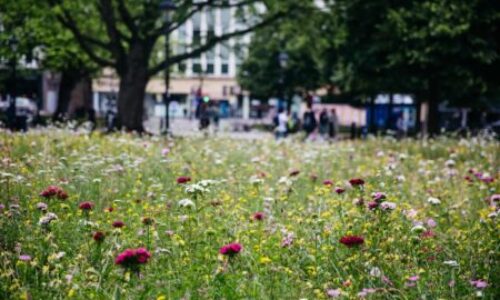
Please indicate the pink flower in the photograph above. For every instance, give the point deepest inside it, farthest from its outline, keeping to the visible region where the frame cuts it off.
(86, 205)
(287, 240)
(165, 151)
(495, 198)
(230, 249)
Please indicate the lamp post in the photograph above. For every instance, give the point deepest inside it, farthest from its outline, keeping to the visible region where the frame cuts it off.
(283, 61)
(167, 7)
(12, 113)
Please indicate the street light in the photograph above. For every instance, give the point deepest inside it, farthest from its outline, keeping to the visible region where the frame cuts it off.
(167, 7)
(283, 61)
(12, 113)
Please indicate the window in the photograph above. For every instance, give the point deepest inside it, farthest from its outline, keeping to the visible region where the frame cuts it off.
(196, 37)
(225, 68)
(197, 68)
(181, 67)
(210, 68)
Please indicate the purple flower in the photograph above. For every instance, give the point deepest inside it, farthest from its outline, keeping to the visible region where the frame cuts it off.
(41, 206)
(364, 292)
(431, 223)
(24, 257)
(333, 293)
(479, 284)
(378, 196)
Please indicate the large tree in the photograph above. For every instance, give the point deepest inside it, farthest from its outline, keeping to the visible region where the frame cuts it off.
(298, 37)
(437, 50)
(43, 40)
(122, 34)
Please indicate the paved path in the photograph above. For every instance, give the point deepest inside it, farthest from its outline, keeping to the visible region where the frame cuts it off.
(231, 128)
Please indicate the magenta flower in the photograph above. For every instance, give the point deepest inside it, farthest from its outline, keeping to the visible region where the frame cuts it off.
(372, 205)
(118, 224)
(86, 205)
(339, 190)
(328, 182)
(356, 182)
(231, 249)
(133, 258)
(183, 179)
(98, 236)
(54, 191)
(258, 216)
(352, 240)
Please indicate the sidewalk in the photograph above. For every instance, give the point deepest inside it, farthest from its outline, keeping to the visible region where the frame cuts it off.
(230, 128)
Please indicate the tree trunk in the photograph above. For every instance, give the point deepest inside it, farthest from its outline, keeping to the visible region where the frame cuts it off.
(418, 114)
(81, 98)
(372, 125)
(391, 121)
(433, 113)
(133, 82)
(68, 82)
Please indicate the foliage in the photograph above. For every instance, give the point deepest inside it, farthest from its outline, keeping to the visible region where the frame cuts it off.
(41, 37)
(299, 37)
(279, 207)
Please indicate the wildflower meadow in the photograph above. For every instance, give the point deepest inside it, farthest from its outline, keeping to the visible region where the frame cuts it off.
(127, 217)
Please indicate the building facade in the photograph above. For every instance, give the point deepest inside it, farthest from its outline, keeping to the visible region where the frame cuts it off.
(211, 74)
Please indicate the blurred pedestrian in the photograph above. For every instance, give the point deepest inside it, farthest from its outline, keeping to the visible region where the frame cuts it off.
(333, 123)
(281, 128)
(401, 126)
(204, 116)
(323, 123)
(214, 115)
(309, 121)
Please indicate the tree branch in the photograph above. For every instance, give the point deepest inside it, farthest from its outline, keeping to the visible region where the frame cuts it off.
(127, 18)
(84, 41)
(115, 37)
(211, 43)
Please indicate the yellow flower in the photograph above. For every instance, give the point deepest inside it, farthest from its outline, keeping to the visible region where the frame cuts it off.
(71, 293)
(265, 260)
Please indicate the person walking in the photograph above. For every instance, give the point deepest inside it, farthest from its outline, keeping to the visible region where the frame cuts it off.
(309, 121)
(281, 128)
(323, 123)
(333, 123)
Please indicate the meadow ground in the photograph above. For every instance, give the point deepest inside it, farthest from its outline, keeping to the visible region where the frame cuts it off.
(123, 217)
